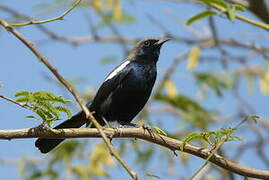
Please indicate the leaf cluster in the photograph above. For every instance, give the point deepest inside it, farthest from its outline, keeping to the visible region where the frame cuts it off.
(216, 82)
(191, 110)
(212, 137)
(43, 104)
(110, 11)
(228, 8)
(59, 159)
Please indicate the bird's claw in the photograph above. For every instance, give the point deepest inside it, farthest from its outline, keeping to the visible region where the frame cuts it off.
(110, 137)
(42, 126)
(118, 129)
(146, 127)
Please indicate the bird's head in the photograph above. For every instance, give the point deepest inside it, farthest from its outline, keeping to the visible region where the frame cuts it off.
(147, 50)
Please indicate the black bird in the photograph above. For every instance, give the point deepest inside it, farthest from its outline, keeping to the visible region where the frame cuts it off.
(122, 95)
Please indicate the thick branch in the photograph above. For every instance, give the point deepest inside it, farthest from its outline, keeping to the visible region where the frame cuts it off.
(139, 133)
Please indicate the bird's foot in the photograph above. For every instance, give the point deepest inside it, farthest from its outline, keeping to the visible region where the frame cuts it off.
(146, 127)
(118, 129)
(127, 124)
(42, 126)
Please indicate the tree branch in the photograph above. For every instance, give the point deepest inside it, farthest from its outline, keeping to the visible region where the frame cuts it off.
(138, 133)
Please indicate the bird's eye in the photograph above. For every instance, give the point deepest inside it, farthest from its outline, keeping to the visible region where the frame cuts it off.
(146, 43)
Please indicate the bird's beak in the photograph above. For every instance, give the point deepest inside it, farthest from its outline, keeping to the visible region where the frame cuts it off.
(161, 41)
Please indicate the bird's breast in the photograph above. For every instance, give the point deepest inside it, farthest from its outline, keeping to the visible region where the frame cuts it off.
(131, 94)
(142, 77)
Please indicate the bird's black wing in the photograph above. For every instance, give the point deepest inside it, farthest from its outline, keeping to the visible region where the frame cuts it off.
(108, 86)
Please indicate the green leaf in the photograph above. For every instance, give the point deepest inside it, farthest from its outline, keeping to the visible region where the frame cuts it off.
(40, 113)
(108, 59)
(23, 99)
(81, 172)
(217, 82)
(42, 104)
(159, 130)
(192, 111)
(43, 95)
(22, 93)
(191, 137)
(229, 8)
(30, 117)
(65, 110)
(47, 107)
(239, 7)
(200, 16)
(217, 2)
(210, 135)
(231, 13)
(152, 176)
(126, 18)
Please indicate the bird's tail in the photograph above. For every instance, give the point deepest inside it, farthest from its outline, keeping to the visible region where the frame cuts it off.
(46, 145)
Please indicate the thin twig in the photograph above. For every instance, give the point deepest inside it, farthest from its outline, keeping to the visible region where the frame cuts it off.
(49, 20)
(24, 105)
(208, 158)
(169, 72)
(68, 86)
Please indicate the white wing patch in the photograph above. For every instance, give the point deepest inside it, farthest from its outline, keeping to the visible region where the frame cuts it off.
(117, 70)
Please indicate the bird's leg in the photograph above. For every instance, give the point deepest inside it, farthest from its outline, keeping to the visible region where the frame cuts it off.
(119, 129)
(128, 124)
(109, 126)
(106, 122)
(146, 127)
